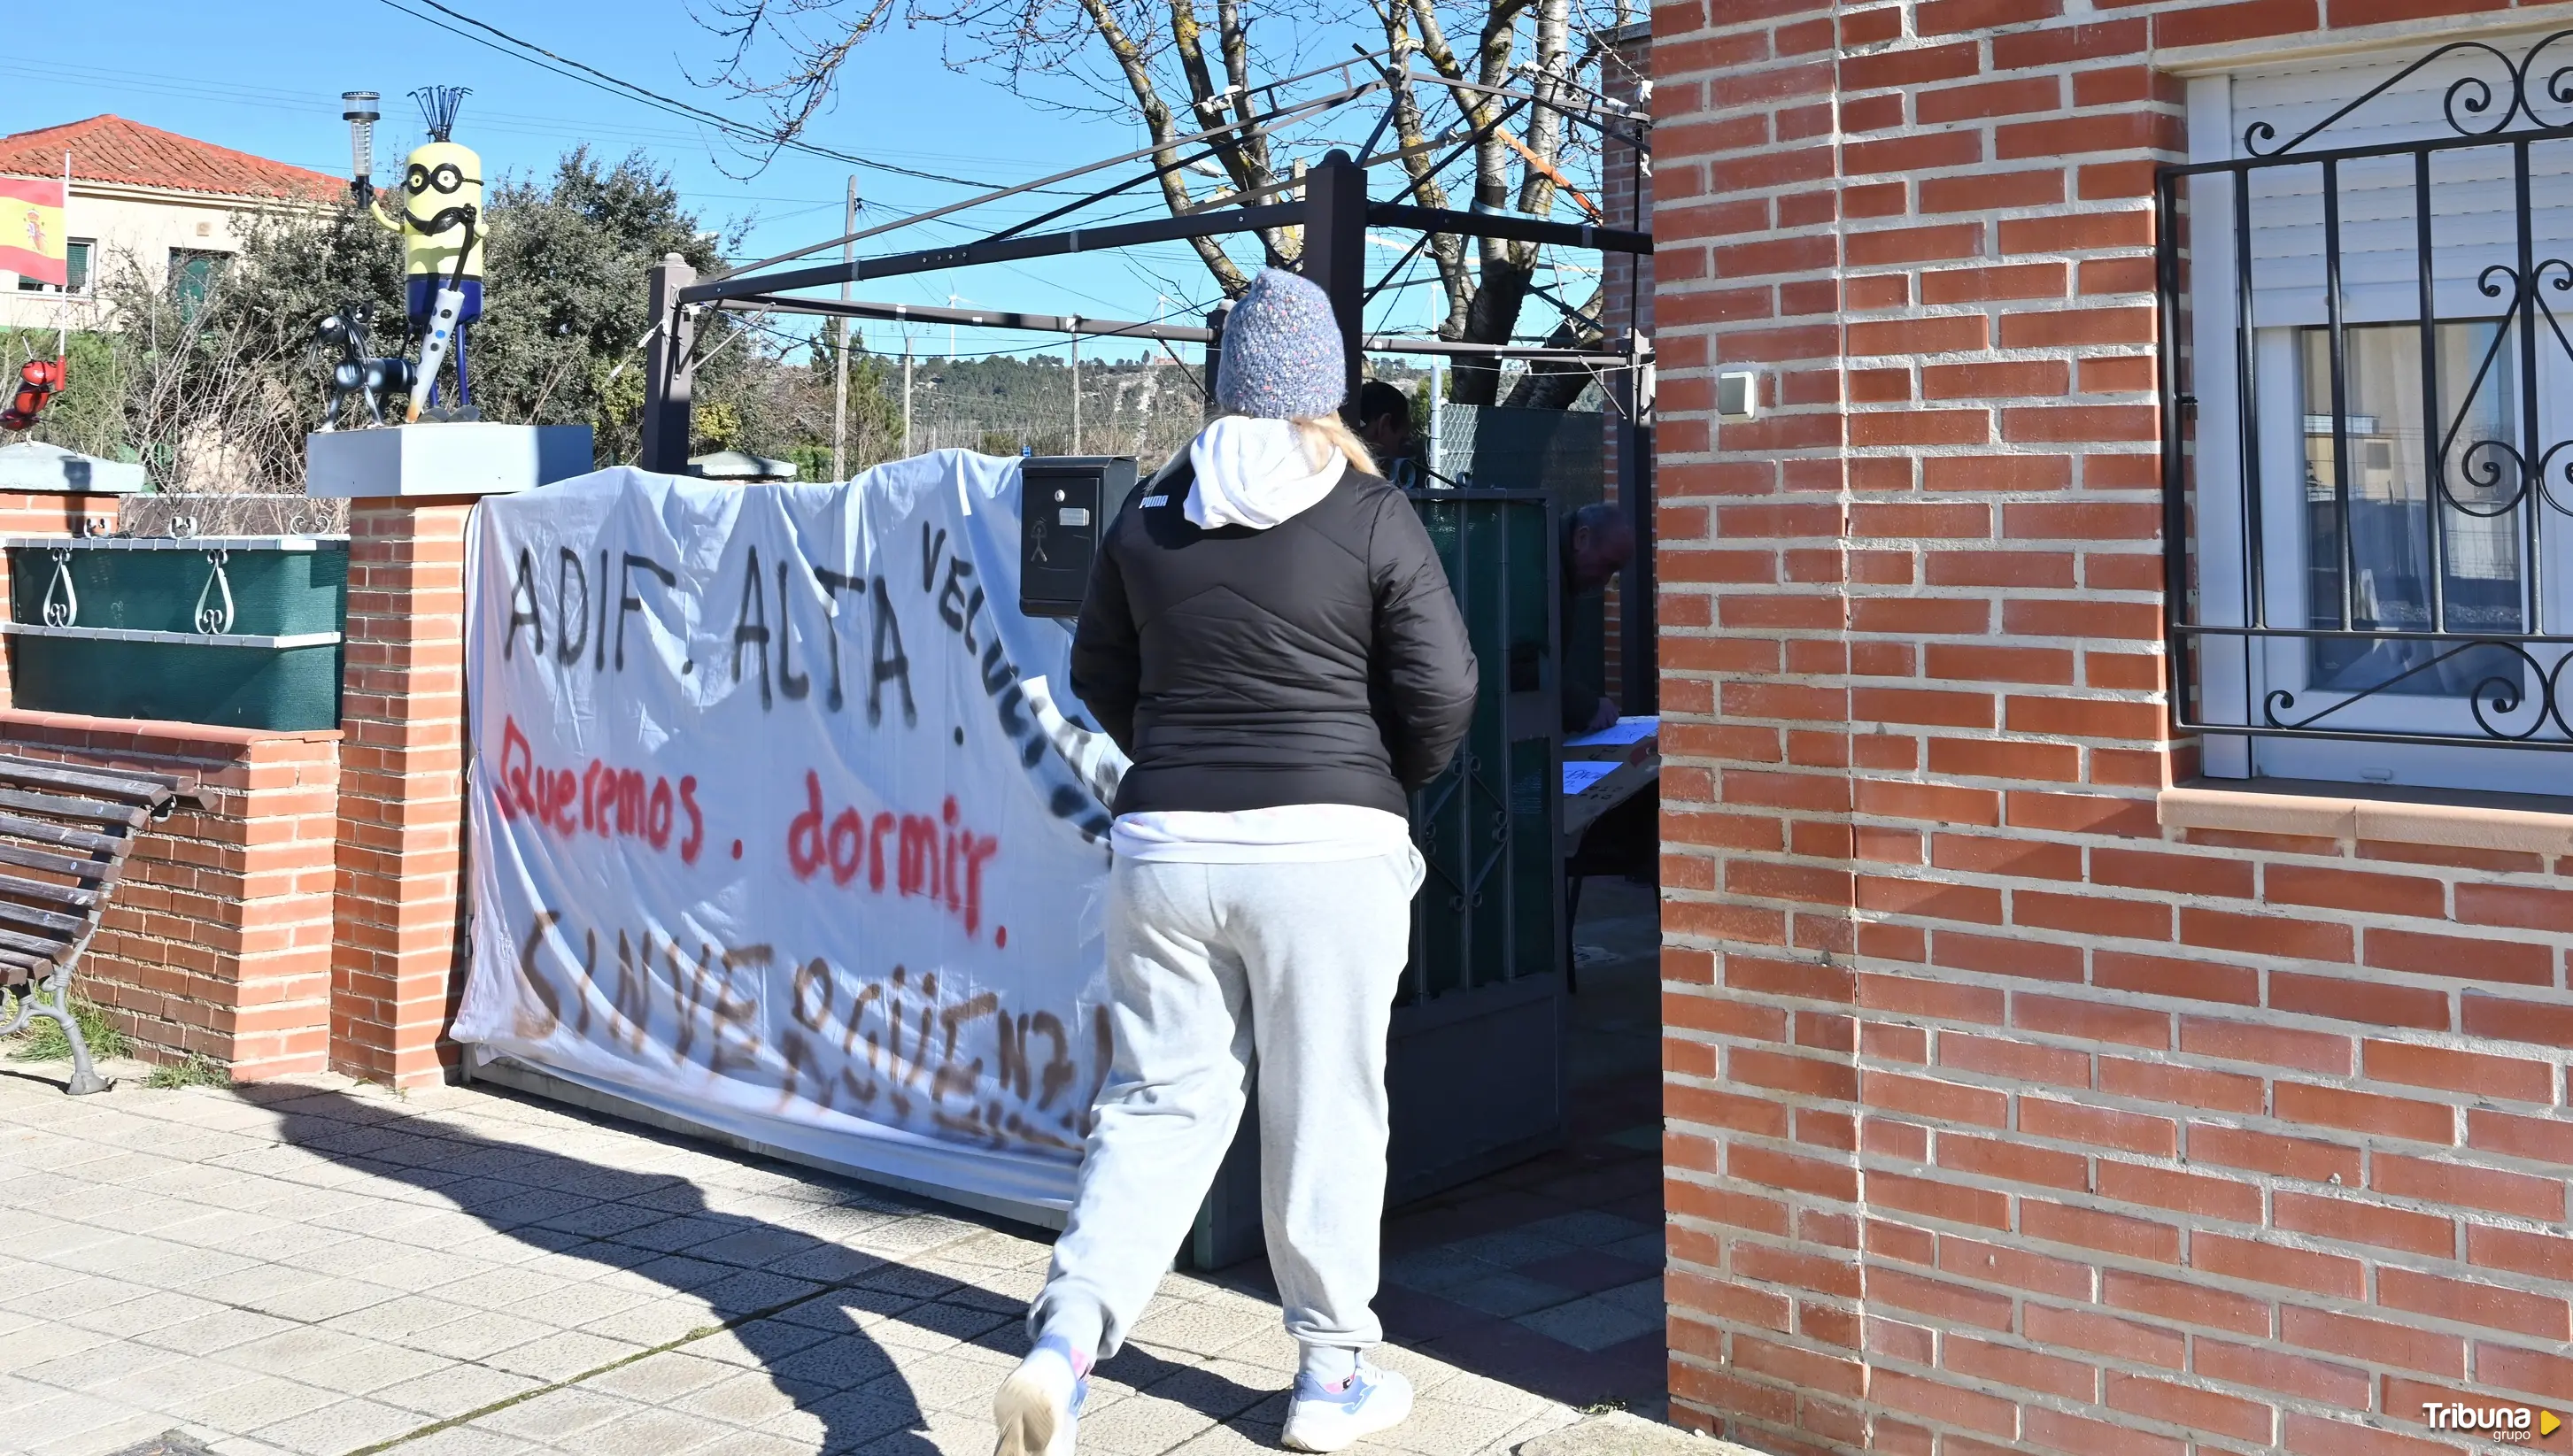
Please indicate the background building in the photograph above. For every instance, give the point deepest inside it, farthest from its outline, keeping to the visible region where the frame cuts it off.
(172, 204)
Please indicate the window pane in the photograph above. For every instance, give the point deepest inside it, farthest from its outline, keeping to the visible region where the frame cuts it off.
(2391, 512)
(75, 265)
(193, 273)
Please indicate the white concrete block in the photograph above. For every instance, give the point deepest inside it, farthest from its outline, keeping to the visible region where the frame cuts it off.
(444, 459)
(32, 464)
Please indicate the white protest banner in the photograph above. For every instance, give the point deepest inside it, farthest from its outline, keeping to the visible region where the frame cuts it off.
(773, 828)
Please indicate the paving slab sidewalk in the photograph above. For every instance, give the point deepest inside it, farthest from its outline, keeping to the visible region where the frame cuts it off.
(1623, 1433)
(317, 1267)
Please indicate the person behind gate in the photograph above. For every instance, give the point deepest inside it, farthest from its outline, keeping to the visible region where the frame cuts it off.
(1268, 635)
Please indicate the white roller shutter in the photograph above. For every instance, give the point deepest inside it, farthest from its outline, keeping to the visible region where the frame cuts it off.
(2473, 189)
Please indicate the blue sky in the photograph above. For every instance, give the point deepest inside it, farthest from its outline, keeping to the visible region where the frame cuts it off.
(265, 78)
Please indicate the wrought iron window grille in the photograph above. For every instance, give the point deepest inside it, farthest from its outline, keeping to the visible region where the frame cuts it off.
(2436, 439)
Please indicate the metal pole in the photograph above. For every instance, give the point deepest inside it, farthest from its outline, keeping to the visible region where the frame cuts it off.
(906, 394)
(1438, 413)
(1272, 121)
(1076, 386)
(840, 356)
(1335, 210)
(1215, 353)
(63, 335)
(669, 374)
(1639, 662)
(1639, 665)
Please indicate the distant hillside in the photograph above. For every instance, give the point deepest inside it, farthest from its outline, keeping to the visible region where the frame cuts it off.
(1007, 404)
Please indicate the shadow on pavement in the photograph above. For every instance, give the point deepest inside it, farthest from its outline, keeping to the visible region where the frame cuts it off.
(1546, 1275)
(792, 1297)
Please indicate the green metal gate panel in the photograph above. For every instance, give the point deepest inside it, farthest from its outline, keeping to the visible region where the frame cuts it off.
(1476, 1069)
(240, 631)
(1491, 911)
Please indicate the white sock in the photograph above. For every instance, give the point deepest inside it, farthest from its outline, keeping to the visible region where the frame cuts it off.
(1077, 1331)
(1330, 1365)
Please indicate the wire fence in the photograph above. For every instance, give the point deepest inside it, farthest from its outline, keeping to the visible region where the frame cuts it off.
(230, 513)
(1149, 410)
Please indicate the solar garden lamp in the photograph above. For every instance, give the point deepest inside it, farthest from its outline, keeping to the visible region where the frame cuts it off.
(361, 111)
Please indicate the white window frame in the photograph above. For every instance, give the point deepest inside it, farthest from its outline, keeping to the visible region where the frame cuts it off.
(88, 273)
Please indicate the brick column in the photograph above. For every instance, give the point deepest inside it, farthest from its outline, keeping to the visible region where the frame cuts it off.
(396, 968)
(1760, 1006)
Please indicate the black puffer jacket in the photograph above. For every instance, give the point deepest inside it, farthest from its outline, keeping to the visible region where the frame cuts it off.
(1319, 661)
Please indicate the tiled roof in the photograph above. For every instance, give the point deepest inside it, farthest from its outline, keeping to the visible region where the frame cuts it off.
(111, 149)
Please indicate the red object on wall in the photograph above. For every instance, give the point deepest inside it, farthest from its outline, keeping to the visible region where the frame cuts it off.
(38, 380)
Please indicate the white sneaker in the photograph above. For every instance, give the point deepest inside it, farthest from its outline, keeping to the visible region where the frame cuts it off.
(1039, 1403)
(1327, 1418)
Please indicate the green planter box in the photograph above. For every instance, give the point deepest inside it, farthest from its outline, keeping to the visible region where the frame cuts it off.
(241, 632)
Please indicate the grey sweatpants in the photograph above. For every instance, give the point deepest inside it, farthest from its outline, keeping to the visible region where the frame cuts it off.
(1208, 963)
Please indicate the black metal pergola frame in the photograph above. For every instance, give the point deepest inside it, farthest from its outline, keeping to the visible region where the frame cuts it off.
(1334, 214)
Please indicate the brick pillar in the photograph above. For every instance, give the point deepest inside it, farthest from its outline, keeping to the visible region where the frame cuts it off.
(396, 968)
(1760, 914)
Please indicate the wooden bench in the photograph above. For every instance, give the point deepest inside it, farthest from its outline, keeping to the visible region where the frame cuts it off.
(65, 833)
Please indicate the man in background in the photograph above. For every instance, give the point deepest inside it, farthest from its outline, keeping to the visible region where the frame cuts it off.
(1599, 541)
(1384, 423)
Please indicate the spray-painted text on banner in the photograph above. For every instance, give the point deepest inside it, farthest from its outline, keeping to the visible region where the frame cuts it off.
(776, 824)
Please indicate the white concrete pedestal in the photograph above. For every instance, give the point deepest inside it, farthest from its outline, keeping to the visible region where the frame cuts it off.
(444, 459)
(34, 466)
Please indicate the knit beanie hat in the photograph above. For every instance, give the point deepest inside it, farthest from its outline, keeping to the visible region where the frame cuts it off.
(1281, 354)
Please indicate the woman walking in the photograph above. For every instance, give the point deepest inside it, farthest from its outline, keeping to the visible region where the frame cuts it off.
(1269, 637)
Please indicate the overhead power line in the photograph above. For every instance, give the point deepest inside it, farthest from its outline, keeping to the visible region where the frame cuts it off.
(304, 101)
(537, 55)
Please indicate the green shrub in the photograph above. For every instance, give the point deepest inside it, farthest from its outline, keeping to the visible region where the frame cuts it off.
(196, 1070)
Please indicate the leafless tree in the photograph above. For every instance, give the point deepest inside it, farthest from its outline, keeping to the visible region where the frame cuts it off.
(214, 400)
(1180, 70)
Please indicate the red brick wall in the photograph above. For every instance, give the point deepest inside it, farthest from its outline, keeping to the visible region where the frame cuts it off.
(312, 917)
(399, 964)
(2001, 1118)
(218, 943)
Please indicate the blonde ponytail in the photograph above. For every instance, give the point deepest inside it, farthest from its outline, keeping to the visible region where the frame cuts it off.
(1323, 434)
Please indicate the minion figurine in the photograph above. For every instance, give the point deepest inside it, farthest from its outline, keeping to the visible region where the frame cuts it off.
(440, 222)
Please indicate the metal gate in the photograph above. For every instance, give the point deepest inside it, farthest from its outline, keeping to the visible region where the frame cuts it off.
(1477, 1063)
(1476, 1068)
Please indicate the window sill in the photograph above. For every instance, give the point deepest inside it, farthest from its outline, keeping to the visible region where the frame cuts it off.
(2530, 823)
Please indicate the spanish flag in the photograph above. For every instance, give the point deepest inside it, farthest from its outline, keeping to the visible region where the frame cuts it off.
(32, 244)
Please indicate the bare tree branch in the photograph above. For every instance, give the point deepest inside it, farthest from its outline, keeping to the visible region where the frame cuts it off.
(1157, 121)
(1552, 385)
(1174, 78)
(1545, 125)
(797, 94)
(1447, 250)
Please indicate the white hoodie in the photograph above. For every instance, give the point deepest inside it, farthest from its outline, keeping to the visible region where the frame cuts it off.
(1255, 473)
